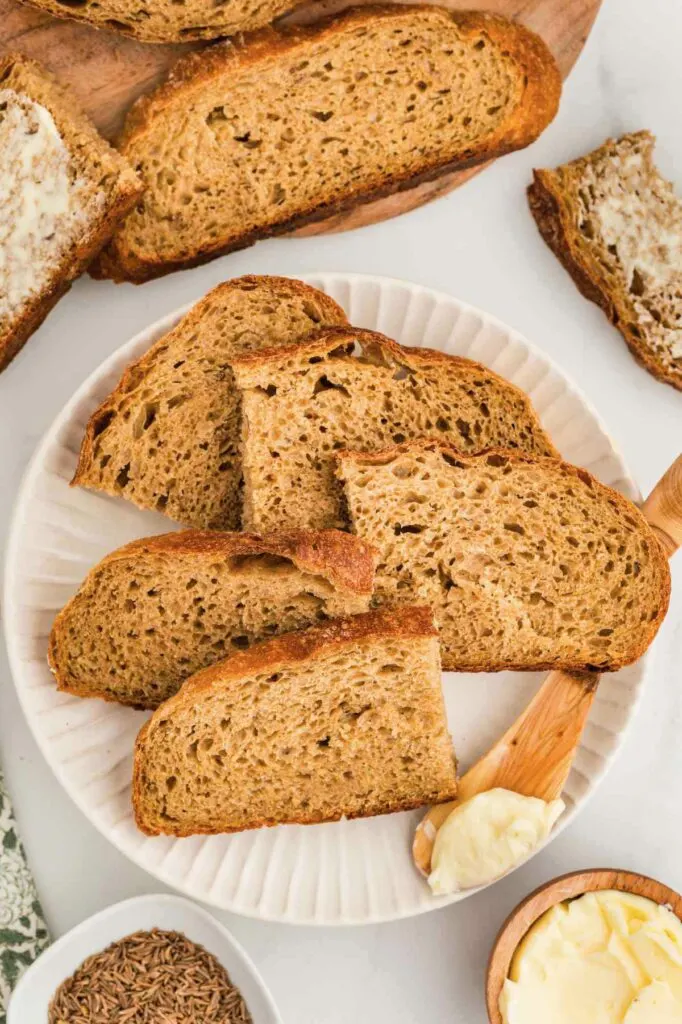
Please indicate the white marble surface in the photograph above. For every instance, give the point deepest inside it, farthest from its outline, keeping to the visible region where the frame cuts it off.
(480, 244)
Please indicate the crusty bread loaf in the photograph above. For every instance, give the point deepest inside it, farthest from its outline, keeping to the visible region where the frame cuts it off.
(167, 437)
(300, 405)
(527, 563)
(616, 225)
(169, 21)
(63, 191)
(253, 138)
(345, 719)
(156, 611)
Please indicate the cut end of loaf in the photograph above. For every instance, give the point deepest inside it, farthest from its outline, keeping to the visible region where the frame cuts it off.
(273, 735)
(616, 225)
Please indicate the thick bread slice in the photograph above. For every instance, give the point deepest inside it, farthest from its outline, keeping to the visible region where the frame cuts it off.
(169, 21)
(63, 188)
(167, 437)
(302, 404)
(156, 611)
(527, 563)
(341, 720)
(259, 136)
(616, 225)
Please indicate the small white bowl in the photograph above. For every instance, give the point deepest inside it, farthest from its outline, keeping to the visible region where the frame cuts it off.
(31, 998)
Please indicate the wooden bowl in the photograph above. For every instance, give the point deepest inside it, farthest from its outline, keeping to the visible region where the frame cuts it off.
(567, 887)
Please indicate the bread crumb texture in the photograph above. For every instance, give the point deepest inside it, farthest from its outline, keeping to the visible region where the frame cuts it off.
(348, 388)
(350, 721)
(254, 137)
(526, 563)
(617, 224)
(168, 436)
(156, 611)
(177, 21)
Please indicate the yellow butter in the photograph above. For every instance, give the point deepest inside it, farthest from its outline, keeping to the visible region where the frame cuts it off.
(487, 836)
(606, 958)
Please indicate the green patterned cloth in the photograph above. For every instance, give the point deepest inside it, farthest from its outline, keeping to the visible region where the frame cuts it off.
(23, 935)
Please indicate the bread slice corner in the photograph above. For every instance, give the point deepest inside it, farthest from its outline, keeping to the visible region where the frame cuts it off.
(63, 197)
(168, 436)
(345, 719)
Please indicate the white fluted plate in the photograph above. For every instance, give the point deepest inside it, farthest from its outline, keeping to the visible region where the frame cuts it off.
(349, 872)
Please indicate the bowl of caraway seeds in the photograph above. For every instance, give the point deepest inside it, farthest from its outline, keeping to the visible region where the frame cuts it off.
(144, 961)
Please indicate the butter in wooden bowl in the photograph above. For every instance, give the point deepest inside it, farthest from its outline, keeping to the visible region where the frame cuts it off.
(608, 957)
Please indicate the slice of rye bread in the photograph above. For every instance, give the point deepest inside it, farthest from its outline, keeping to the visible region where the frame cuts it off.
(156, 611)
(300, 405)
(167, 438)
(64, 189)
(341, 720)
(616, 225)
(161, 21)
(286, 127)
(527, 563)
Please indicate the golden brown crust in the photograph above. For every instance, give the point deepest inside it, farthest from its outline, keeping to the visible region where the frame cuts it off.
(626, 507)
(438, 797)
(346, 561)
(540, 102)
(137, 369)
(327, 339)
(70, 120)
(310, 644)
(139, 30)
(552, 213)
(404, 623)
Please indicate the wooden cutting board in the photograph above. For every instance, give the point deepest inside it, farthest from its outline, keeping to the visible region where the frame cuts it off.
(108, 71)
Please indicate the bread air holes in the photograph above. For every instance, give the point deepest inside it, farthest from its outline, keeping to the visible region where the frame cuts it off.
(247, 141)
(270, 390)
(102, 422)
(399, 529)
(323, 383)
(450, 460)
(123, 477)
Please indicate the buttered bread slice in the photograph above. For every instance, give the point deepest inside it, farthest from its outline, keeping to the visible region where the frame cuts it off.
(349, 388)
(167, 438)
(63, 191)
(256, 137)
(156, 611)
(341, 720)
(527, 563)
